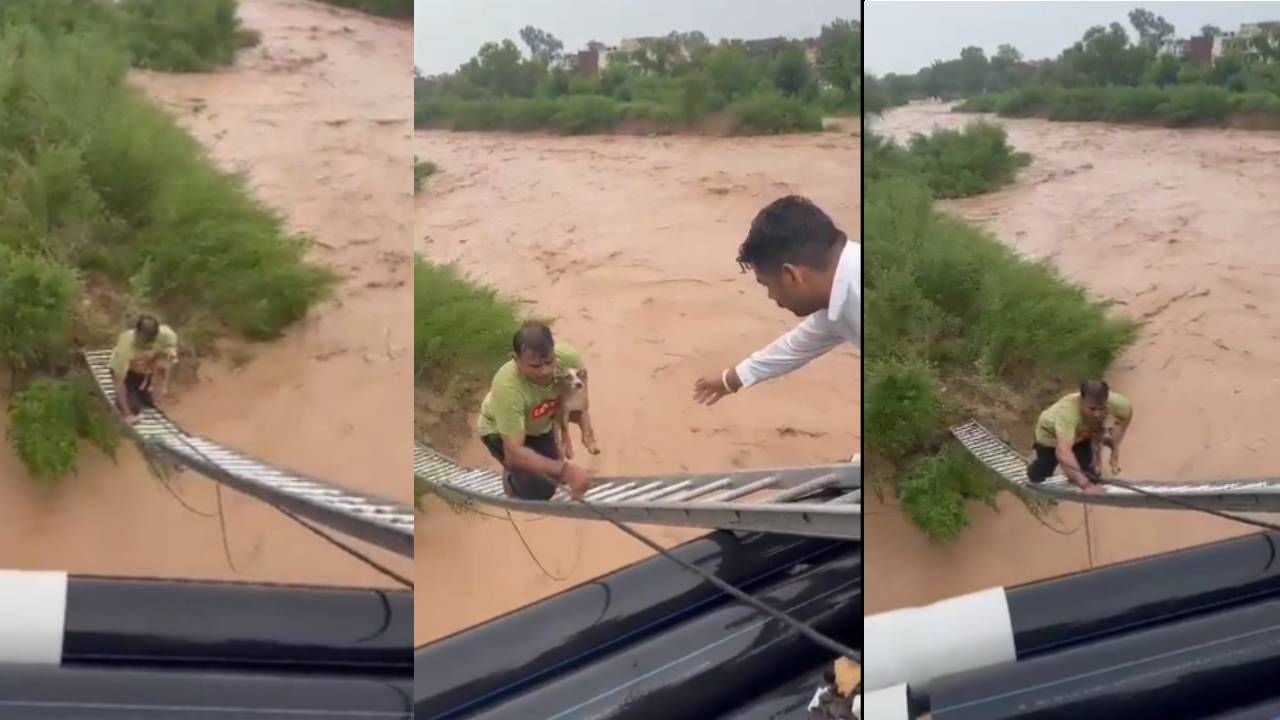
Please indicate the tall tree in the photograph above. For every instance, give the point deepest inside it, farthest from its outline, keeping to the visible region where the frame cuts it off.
(1152, 29)
(543, 46)
(840, 54)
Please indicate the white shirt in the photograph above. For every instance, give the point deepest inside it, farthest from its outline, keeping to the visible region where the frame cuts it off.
(818, 333)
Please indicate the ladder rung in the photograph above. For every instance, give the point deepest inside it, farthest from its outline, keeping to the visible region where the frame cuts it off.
(669, 490)
(637, 491)
(744, 490)
(701, 490)
(806, 488)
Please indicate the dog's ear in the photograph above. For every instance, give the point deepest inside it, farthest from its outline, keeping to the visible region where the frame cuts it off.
(583, 373)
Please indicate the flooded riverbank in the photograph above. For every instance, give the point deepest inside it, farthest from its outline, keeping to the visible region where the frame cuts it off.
(318, 118)
(1174, 228)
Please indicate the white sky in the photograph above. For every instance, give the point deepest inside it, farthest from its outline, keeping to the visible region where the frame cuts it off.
(447, 33)
(903, 36)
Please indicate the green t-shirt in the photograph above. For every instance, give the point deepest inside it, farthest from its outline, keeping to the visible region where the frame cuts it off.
(142, 360)
(515, 406)
(1063, 419)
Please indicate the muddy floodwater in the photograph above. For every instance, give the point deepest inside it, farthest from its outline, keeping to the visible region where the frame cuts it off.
(1178, 229)
(318, 117)
(628, 243)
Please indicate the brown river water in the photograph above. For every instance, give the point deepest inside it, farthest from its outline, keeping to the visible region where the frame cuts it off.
(318, 117)
(1175, 227)
(628, 243)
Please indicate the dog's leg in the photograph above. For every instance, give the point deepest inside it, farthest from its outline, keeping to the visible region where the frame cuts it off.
(588, 432)
(566, 442)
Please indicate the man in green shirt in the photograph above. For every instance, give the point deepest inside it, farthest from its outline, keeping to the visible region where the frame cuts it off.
(1072, 432)
(517, 417)
(143, 356)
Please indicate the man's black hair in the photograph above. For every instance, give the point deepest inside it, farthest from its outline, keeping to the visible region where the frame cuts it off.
(789, 230)
(534, 337)
(147, 327)
(1095, 390)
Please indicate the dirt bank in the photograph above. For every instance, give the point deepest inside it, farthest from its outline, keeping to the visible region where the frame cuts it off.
(629, 244)
(318, 116)
(1175, 227)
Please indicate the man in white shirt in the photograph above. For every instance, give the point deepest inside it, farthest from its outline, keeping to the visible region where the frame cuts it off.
(810, 267)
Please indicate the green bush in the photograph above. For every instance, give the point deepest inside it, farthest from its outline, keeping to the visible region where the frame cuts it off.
(960, 163)
(1187, 104)
(937, 488)
(770, 114)
(49, 418)
(900, 410)
(187, 36)
(582, 115)
(461, 331)
(38, 301)
(422, 169)
(526, 115)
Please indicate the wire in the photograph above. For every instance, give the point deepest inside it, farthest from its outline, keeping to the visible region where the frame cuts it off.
(817, 637)
(534, 557)
(1183, 503)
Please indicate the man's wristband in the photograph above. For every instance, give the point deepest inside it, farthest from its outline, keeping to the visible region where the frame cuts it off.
(724, 380)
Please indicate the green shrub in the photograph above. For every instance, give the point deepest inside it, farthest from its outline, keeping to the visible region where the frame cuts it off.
(49, 418)
(937, 488)
(960, 163)
(900, 410)
(586, 114)
(38, 300)
(525, 115)
(187, 36)
(461, 331)
(422, 169)
(1196, 105)
(769, 114)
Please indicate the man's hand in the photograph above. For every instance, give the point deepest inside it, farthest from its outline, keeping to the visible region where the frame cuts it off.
(708, 390)
(576, 479)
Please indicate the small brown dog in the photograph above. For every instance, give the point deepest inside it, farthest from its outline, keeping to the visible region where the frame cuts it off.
(574, 408)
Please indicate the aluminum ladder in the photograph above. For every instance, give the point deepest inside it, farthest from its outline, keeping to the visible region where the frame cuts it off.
(1243, 495)
(384, 523)
(822, 501)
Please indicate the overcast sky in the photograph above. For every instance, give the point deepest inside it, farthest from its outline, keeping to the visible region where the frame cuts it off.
(904, 36)
(447, 33)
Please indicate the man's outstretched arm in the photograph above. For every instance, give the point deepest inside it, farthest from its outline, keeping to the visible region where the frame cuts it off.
(812, 338)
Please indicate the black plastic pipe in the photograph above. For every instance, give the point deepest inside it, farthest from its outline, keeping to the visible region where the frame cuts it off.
(706, 665)
(1186, 670)
(236, 626)
(47, 692)
(481, 665)
(1269, 710)
(916, 645)
(1079, 608)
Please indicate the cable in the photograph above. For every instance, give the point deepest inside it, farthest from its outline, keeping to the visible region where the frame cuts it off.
(1183, 503)
(347, 549)
(534, 557)
(803, 629)
(330, 539)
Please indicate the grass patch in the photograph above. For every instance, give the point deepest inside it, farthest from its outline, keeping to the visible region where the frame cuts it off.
(965, 328)
(775, 114)
(461, 331)
(1174, 106)
(106, 198)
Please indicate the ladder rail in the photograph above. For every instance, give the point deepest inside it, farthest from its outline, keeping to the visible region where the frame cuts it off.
(373, 519)
(1228, 495)
(831, 512)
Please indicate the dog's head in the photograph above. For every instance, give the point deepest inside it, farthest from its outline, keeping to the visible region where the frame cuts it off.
(573, 379)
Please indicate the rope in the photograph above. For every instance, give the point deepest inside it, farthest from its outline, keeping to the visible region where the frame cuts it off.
(1183, 503)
